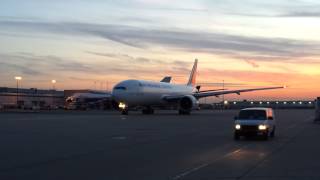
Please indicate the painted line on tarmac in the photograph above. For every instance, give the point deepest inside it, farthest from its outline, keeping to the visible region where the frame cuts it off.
(190, 171)
(276, 149)
(119, 138)
(298, 123)
(197, 168)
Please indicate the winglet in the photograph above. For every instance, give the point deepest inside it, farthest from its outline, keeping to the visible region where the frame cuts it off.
(193, 75)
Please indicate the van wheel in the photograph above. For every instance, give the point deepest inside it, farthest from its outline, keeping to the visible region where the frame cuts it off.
(266, 136)
(273, 132)
(236, 136)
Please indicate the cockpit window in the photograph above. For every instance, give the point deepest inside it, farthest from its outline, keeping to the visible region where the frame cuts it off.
(120, 88)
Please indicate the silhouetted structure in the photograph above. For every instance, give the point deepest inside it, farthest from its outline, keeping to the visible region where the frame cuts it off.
(30, 98)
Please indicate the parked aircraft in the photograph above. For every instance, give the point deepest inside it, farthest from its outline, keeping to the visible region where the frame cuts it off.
(93, 98)
(148, 94)
(87, 99)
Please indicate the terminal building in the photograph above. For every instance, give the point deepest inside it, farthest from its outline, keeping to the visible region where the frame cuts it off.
(293, 104)
(39, 99)
(11, 98)
(33, 98)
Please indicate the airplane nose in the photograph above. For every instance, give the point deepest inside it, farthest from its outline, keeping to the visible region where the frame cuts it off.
(117, 95)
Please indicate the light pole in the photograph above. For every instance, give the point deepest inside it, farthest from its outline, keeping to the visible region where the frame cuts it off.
(17, 78)
(53, 81)
(223, 94)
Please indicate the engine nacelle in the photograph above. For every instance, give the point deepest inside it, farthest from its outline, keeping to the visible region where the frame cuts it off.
(188, 103)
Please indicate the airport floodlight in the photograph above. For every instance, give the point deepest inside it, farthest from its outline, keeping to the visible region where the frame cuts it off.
(18, 78)
(225, 102)
(310, 102)
(268, 102)
(300, 102)
(284, 102)
(234, 102)
(260, 102)
(251, 102)
(277, 102)
(53, 81)
(294, 102)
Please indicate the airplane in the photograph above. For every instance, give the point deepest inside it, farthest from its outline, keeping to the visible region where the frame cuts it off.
(84, 100)
(148, 94)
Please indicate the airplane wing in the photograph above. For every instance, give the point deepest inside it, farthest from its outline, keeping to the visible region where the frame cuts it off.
(212, 90)
(166, 79)
(198, 95)
(218, 93)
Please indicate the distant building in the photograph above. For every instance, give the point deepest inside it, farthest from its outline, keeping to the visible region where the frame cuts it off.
(298, 104)
(30, 98)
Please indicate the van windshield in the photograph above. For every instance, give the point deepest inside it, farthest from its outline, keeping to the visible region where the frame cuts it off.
(253, 115)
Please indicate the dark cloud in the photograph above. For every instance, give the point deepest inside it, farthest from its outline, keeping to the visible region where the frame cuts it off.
(181, 63)
(110, 55)
(301, 14)
(30, 64)
(201, 10)
(44, 66)
(6, 67)
(252, 63)
(214, 43)
(128, 58)
(81, 79)
(290, 14)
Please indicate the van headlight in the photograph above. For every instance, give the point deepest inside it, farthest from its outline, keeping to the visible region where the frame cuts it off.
(237, 126)
(262, 127)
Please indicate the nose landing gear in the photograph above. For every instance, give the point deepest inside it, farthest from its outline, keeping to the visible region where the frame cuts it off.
(124, 108)
(124, 111)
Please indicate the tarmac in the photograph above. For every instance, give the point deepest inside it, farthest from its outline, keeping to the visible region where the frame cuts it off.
(164, 146)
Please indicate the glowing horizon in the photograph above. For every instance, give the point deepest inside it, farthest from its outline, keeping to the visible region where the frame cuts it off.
(92, 45)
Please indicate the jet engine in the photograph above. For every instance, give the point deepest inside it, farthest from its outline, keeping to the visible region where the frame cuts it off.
(188, 103)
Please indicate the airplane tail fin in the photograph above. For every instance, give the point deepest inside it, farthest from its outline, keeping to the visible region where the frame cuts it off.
(166, 79)
(193, 75)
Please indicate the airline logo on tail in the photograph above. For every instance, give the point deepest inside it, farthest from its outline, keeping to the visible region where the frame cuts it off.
(193, 75)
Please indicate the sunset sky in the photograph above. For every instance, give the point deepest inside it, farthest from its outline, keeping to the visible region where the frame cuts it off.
(246, 43)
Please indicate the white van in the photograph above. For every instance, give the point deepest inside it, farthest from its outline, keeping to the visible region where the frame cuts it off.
(255, 121)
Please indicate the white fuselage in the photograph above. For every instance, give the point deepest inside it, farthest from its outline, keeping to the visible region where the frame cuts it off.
(147, 93)
(81, 97)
